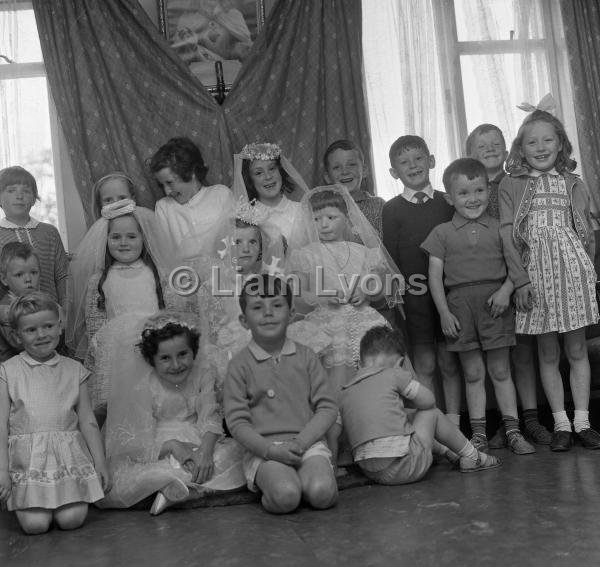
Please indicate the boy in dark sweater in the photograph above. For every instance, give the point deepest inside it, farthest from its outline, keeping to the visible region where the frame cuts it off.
(407, 220)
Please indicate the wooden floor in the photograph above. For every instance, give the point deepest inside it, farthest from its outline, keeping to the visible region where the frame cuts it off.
(541, 510)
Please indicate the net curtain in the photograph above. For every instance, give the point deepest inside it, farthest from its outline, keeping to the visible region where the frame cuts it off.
(121, 91)
(581, 26)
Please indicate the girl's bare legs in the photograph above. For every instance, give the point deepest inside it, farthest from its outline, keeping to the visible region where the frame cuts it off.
(71, 516)
(34, 520)
(549, 358)
(579, 374)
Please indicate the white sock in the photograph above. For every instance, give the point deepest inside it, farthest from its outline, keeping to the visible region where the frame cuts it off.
(561, 421)
(468, 451)
(581, 420)
(454, 418)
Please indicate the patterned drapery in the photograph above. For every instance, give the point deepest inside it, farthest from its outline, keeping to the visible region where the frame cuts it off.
(581, 20)
(121, 91)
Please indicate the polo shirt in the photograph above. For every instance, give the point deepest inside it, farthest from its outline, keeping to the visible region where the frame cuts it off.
(471, 250)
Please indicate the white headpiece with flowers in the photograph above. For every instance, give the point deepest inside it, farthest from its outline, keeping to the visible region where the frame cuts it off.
(164, 318)
(261, 151)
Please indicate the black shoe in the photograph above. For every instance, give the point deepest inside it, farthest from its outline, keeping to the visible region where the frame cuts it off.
(589, 438)
(561, 441)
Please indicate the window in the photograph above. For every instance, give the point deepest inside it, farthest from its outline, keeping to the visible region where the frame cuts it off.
(28, 130)
(456, 64)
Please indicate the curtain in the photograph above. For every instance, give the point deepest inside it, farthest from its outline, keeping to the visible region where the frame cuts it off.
(121, 91)
(302, 85)
(581, 20)
(403, 83)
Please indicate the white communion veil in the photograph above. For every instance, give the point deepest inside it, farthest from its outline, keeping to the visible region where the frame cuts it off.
(305, 242)
(90, 258)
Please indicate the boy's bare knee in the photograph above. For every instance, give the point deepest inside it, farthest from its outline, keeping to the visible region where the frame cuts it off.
(322, 493)
(282, 498)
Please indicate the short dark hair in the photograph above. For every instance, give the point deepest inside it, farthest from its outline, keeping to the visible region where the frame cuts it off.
(13, 250)
(29, 304)
(382, 339)
(151, 339)
(347, 145)
(182, 157)
(469, 167)
(265, 285)
(477, 131)
(17, 175)
(409, 142)
(328, 198)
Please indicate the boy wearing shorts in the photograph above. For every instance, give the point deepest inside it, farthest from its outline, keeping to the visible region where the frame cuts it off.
(279, 405)
(390, 445)
(466, 258)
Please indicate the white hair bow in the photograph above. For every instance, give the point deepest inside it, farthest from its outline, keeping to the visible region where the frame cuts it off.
(547, 104)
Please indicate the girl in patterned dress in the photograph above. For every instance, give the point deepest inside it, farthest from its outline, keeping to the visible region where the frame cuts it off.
(51, 458)
(549, 246)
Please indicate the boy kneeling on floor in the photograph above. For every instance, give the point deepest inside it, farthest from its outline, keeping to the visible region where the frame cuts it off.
(389, 444)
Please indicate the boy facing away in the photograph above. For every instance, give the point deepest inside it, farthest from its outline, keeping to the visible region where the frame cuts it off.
(389, 445)
(279, 406)
(20, 274)
(407, 219)
(466, 258)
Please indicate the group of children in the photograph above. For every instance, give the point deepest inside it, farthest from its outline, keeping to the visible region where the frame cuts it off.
(303, 357)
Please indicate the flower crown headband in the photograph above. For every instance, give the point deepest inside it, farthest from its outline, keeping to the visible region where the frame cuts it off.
(160, 321)
(263, 152)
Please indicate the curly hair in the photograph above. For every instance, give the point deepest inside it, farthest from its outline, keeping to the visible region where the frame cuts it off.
(151, 339)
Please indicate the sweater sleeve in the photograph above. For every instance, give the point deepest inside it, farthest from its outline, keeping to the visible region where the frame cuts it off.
(388, 229)
(322, 400)
(508, 210)
(61, 269)
(237, 410)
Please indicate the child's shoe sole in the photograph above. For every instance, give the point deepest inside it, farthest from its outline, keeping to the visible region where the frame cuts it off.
(481, 464)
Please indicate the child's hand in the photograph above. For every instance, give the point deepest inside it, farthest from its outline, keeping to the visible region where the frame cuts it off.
(358, 298)
(5, 485)
(450, 325)
(204, 465)
(524, 298)
(498, 302)
(288, 453)
(337, 300)
(104, 475)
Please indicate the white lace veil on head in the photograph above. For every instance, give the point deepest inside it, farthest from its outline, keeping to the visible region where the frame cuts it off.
(358, 230)
(96, 207)
(294, 186)
(90, 258)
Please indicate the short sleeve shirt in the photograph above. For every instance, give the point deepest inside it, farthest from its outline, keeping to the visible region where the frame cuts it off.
(471, 250)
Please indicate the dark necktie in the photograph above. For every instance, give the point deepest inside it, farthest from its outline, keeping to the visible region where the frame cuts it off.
(420, 197)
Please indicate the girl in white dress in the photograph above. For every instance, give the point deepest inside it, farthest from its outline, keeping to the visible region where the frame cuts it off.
(164, 426)
(117, 275)
(264, 176)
